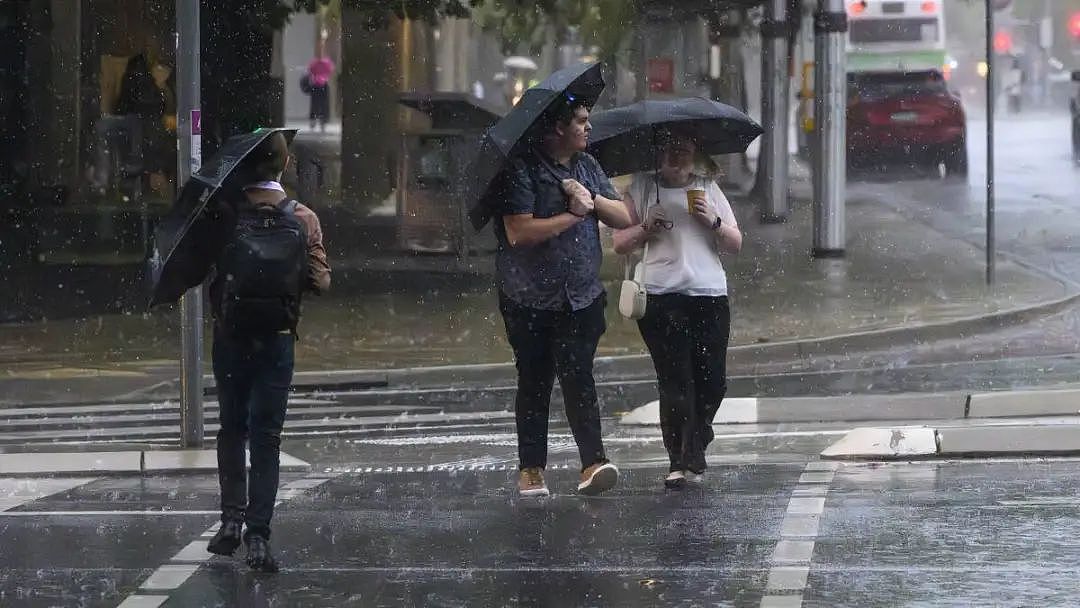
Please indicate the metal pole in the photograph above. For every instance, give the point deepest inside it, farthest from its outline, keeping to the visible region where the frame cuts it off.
(189, 142)
(775, 99)
(990, 95)
(830, 125)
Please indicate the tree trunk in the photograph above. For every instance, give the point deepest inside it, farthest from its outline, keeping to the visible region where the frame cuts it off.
(369, 122)
(238, 93)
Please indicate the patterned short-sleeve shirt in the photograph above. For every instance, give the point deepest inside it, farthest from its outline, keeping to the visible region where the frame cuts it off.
(564, 272)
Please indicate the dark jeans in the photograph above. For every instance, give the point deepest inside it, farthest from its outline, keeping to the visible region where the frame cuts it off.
(548, 343)
(687, 337)
(253, 377)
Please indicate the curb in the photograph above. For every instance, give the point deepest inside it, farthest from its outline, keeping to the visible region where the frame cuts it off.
(636, 366)
(121, 462)
(917, 406)
(921, 443)
(910, 406)
(621, 367)
(1008, 404)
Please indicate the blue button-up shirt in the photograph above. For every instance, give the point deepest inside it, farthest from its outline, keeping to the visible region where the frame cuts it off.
(562, 273)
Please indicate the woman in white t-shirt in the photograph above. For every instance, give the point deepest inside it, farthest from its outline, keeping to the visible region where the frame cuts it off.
(687, 318)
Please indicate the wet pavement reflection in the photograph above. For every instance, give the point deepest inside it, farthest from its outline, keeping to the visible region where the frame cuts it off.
(429, 517)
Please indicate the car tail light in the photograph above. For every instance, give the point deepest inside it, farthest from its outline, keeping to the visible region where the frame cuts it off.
(929, 7)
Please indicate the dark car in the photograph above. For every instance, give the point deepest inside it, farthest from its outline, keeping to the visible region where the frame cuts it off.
(909, 117)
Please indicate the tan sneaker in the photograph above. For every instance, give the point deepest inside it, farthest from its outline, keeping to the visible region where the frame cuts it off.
(598, 478)
(531, 482)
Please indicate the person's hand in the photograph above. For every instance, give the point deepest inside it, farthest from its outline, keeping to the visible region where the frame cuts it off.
(580, 205)
(580, 201)
(704, 212)
(656, 219)
(572, 187)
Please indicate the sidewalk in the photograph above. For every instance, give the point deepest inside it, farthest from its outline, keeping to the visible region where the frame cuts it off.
(896, 274)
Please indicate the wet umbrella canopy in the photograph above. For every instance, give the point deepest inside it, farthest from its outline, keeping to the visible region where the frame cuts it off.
(514, 131)
(190, 237)
(624, 139)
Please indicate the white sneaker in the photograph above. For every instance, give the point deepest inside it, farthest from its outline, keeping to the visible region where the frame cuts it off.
(694, 478)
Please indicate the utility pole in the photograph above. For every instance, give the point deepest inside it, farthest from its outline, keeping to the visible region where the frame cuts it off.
(991, 93)
(189, 142)
(830, 125)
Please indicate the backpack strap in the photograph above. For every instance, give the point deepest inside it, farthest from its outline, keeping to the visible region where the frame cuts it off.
(288, 205)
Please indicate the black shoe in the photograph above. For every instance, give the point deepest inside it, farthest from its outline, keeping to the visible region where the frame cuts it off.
(259, 556)
(675, 480)
(226, 540)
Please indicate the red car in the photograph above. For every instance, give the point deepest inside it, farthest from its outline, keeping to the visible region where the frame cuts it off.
(907, 117)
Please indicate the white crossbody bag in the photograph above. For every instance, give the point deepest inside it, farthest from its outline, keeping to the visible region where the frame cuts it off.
(632, 297)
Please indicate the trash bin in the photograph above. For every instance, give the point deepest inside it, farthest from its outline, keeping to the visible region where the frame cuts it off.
(431, 205)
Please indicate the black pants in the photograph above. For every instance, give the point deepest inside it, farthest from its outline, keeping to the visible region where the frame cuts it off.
(687, 337)
(253, 377)
(320, 103)
(548, 343)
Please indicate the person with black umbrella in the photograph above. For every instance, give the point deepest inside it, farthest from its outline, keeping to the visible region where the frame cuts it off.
(274, 255)
(685, 224)
(551, 200)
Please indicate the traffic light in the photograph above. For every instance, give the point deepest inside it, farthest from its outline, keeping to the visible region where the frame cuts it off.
(1003, 42)
(1074, 25)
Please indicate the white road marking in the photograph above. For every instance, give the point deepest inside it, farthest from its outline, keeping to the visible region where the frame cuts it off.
(18, 491)
(794, 552)
(143, 601)
(118, 513)
(186, 562)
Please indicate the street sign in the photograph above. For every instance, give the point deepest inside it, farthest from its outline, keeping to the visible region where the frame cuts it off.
(661, 75)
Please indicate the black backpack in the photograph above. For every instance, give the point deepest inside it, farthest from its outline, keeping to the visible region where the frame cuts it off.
(263, 270)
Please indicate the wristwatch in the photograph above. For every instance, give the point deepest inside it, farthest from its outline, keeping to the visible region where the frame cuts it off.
(716, 225)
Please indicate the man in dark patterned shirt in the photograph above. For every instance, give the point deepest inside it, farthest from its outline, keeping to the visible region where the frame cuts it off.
(550, 295)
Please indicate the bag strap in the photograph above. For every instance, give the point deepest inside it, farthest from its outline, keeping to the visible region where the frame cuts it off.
(288, 205)
(628, 265)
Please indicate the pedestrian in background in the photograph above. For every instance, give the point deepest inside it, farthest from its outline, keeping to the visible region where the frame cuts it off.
(317, 81)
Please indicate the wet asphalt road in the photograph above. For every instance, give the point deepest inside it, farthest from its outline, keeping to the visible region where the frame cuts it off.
(429, 518)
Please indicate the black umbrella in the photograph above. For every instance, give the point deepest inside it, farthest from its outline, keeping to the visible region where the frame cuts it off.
(513, 132)
(190, 237)
(624, 139)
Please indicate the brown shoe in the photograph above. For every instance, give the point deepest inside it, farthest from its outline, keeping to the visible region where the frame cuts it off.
(531, 482)
(598, 478)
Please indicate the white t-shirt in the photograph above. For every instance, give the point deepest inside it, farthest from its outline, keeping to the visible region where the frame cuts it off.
(684, 259)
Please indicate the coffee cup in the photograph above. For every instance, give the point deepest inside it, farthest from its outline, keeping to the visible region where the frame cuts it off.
(691, 196)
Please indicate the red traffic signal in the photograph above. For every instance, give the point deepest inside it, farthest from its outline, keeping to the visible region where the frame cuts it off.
(1002, 42)
(1074, 25)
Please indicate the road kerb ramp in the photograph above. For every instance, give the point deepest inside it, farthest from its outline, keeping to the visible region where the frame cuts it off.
(1060, 438)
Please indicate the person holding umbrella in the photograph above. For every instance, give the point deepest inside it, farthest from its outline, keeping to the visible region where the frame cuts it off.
(688, 224)
(548, 199)
(275, 254)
